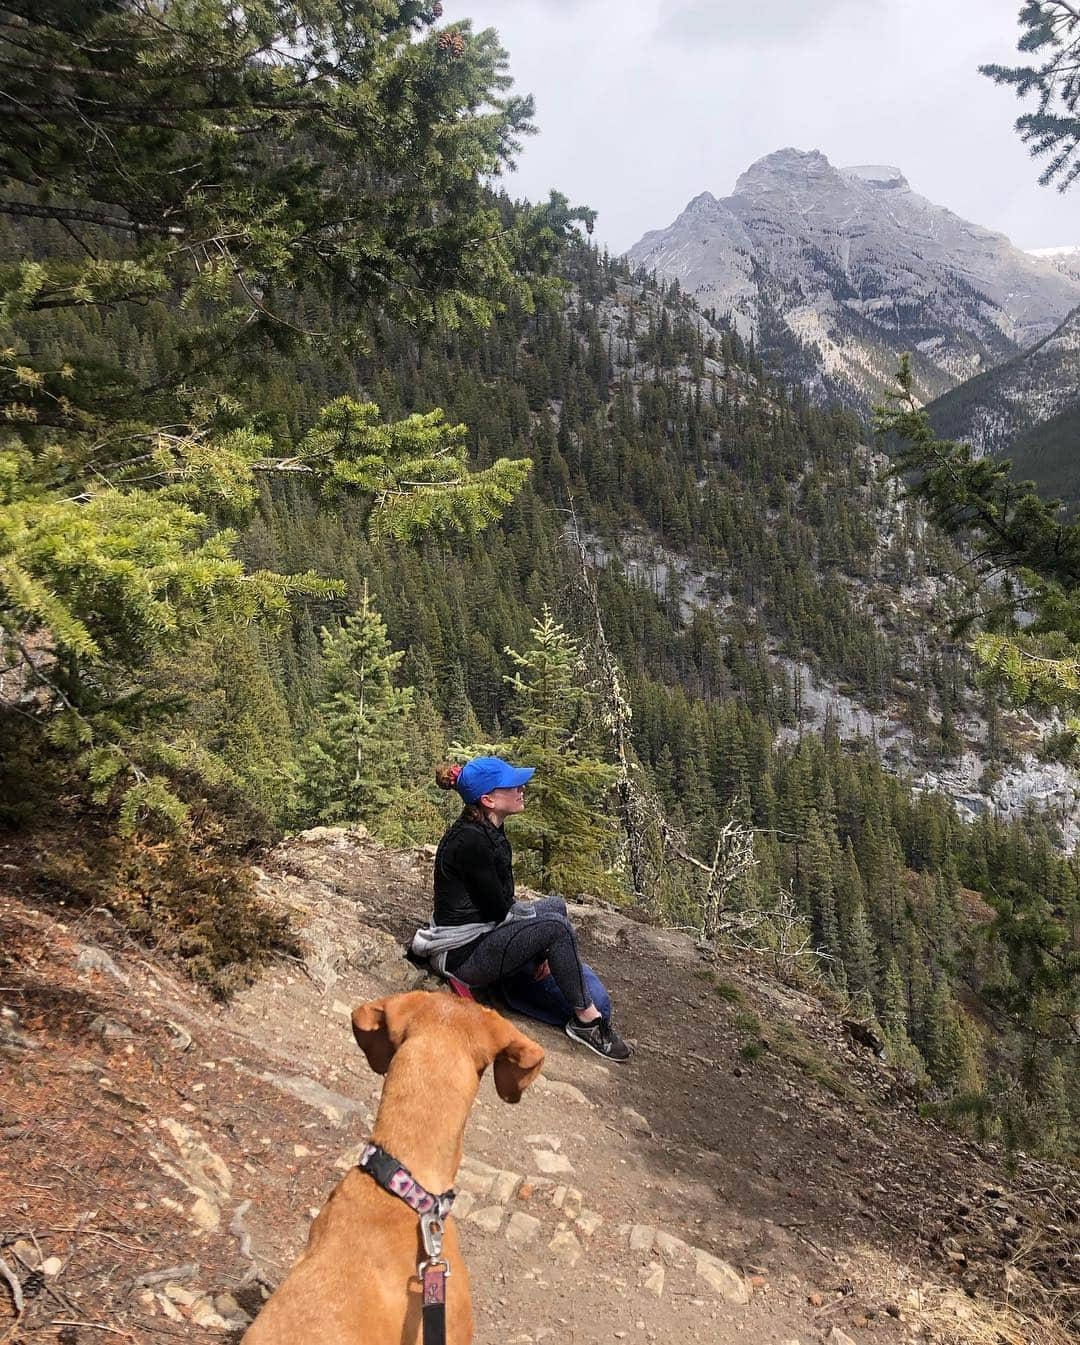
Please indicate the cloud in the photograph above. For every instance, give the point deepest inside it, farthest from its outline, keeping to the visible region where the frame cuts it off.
(779, 23)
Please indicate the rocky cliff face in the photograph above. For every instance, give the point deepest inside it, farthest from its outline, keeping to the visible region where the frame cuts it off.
(837, 271)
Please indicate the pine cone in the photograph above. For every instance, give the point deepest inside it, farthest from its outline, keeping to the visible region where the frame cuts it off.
(437, 9)
(453, 44)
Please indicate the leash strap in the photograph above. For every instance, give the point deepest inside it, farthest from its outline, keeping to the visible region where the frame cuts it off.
(433, 1271)
(435, 1305)
(387, 1172)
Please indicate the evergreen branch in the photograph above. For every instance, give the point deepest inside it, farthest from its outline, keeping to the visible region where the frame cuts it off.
(1017, 1022)
(978, 495)
(282, 465)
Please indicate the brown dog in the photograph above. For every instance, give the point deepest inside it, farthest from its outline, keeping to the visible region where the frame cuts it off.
(356, 1282)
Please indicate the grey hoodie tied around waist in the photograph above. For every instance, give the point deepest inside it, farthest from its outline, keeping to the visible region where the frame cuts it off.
(433, 942)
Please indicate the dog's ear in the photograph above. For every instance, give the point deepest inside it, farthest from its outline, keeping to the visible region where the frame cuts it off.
(517, 1062)
(372, 1033)
(381, 1025)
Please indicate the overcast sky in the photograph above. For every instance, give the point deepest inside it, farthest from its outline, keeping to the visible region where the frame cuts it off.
(642, 104)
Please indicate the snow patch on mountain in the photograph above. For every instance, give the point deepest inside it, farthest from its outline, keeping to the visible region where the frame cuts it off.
(1066, 259)
(877, 175)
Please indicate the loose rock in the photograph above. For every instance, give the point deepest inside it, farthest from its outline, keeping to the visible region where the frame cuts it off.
(671, 1248)
(651, 1279)
(203, 1314)
(205, 1214)
(110, 1029)
(552, 1142)
(522, 1229)
(566, 1091)
(504, 1186)
(565, 1247)
(334, 1106)
(552, 1164)
(723, 1279)
(91, 958)
(489, 1218)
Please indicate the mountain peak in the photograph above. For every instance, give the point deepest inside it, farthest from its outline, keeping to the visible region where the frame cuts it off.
(784, 170)
(851, 268)
(703, 201)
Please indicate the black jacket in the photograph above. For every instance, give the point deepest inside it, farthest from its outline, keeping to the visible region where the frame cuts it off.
(474, 874)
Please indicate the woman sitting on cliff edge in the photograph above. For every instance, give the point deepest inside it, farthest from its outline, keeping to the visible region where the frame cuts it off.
(479, 935)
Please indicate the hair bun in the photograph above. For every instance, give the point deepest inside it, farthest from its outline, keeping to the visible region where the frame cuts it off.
(446, 774)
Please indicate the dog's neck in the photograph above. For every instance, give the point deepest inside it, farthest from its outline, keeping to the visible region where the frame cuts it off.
(423, 1126)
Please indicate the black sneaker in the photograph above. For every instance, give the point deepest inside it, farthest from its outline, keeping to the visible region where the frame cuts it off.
(599, 1036)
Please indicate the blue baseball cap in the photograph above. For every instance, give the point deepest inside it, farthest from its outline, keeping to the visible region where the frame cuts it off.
(483, 774)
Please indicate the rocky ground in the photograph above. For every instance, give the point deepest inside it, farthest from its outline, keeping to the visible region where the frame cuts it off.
(753, 1174)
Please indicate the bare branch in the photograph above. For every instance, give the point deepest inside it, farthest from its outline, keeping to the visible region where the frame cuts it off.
(61, 213)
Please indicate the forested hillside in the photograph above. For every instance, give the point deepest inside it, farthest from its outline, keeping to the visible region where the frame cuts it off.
(272, 546)
(1025, 409)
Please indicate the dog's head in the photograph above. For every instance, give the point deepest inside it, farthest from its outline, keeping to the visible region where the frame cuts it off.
(455, 1025)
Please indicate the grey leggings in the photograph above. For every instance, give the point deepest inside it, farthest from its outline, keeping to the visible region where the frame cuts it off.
(508, 948)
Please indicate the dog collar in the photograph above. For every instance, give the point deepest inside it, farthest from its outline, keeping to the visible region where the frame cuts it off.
(388, 1173)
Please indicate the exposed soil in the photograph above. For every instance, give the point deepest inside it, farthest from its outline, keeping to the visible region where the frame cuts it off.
(161, 1156)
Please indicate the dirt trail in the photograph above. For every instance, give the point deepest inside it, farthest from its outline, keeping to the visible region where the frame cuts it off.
(751, 1175)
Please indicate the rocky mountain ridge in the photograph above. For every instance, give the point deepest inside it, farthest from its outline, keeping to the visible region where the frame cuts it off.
(835, 272)
(1027, 409)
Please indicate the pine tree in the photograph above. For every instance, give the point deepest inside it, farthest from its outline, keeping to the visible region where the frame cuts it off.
(116, 483)
(860, 954)
(355, 767)
(850, 888)
(1051, 27)
(296, 113)
(1058, 1102)
(567, 835)
(894, 1006)
(952, 1047)
(819, 893)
